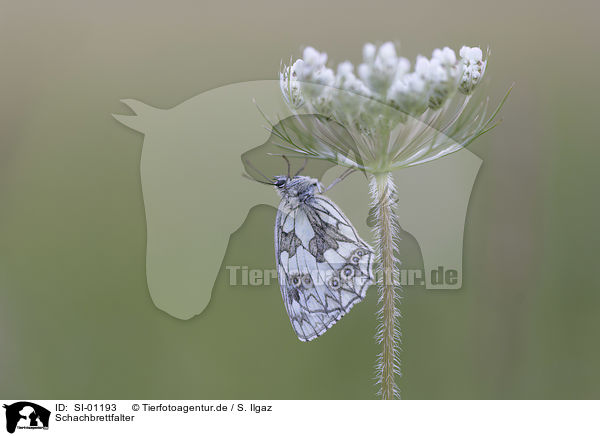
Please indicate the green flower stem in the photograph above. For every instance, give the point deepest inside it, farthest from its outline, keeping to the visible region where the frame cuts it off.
(383, 192)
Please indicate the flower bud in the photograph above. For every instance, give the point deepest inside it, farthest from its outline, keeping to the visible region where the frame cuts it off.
(473, 67)
(369, 53)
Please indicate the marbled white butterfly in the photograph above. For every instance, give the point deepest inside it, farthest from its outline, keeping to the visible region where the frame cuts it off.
(324, 267)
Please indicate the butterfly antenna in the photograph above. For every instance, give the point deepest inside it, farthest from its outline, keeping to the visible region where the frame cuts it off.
(289, 166)
(269, 180)
(301, 168)
(246, 176)
(340, 178)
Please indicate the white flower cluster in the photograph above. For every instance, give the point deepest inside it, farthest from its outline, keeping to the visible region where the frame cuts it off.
(383, 77)
(473, 68)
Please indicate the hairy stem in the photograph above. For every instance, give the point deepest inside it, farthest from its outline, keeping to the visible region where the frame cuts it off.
(383, 193)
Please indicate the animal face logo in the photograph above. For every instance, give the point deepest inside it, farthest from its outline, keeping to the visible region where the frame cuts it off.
(195, 196)
(26, 415)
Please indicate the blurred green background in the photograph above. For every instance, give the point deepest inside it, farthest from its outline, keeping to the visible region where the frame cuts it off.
(76, 320)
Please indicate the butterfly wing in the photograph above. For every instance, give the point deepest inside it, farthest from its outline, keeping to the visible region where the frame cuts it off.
(324, 267)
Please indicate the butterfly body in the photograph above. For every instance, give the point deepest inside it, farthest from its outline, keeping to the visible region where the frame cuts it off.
(324, 267)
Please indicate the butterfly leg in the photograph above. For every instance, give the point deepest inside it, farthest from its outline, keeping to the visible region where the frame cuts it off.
(301, 168)
(340, 178)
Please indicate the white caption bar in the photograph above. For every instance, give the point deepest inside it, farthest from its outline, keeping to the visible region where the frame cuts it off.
(301, 417)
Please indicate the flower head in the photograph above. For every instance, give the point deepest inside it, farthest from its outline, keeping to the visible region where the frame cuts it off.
(473, 67)
(396, 115)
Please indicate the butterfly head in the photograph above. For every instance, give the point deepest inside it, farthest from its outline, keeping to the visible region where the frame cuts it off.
(297, 187)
